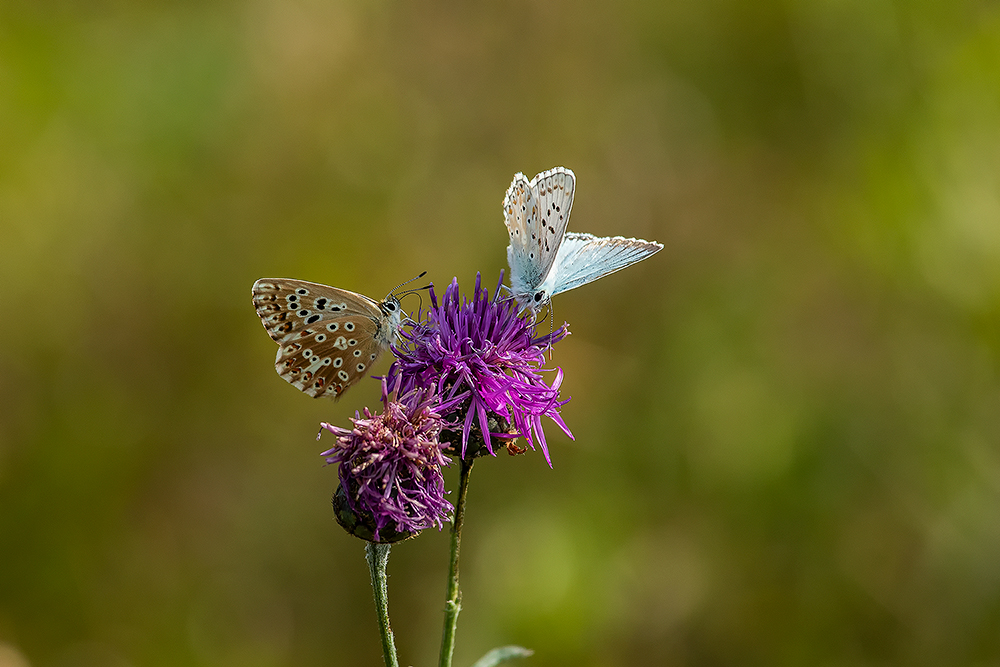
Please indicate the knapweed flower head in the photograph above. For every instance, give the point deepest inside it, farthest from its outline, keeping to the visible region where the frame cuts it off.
(482, 358)
(389, 465)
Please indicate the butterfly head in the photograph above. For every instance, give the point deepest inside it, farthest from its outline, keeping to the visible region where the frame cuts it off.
(532, 301)
(392, 314)
(537, 300)
(390, 307)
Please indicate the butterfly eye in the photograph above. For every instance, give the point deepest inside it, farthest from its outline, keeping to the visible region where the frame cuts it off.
(539, 296)
(391, 307)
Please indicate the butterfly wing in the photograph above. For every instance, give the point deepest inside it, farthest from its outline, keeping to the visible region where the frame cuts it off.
(583, 258)
(327, 337)
(536, 214)
(520, 212)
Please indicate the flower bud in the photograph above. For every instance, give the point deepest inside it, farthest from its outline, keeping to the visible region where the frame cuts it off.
(389, 465)
(362, 524)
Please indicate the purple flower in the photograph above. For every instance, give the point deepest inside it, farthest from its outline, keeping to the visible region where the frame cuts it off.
(482, 358)
(390, 468)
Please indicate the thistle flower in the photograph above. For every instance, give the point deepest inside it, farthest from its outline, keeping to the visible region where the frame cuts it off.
(482, 359)
(389, 465)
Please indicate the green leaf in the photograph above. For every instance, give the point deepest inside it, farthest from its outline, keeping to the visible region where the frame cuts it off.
(502, 654)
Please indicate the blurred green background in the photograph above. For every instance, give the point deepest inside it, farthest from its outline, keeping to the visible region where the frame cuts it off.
(787, 422)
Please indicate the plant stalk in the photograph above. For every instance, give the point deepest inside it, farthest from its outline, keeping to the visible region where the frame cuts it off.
(453, 605)
(377, 556)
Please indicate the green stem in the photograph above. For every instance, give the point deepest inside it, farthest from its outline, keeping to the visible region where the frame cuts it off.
(377, 556)
(453, 604)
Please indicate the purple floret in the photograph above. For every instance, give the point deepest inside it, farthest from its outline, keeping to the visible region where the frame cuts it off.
(390, 464)
(480, 358)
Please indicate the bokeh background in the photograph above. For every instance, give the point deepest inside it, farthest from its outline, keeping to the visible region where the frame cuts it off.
(787, 422)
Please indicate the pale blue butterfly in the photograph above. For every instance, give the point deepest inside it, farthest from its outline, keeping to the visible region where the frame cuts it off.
(544, 258)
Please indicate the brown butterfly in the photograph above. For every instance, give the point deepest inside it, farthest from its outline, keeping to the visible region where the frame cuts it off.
(327, 337)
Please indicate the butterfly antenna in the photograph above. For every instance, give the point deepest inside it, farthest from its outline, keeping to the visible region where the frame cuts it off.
(415, 290)
(407, 282)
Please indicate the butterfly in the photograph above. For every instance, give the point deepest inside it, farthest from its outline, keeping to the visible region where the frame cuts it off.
(327, 337)
(544, 258)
